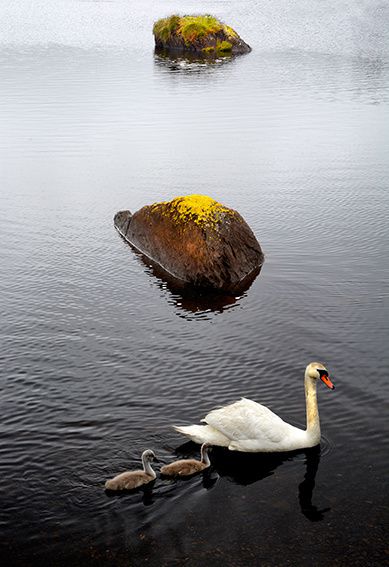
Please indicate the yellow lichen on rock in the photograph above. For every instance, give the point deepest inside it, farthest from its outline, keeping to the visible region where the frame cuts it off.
(196, 240)
(200, 209)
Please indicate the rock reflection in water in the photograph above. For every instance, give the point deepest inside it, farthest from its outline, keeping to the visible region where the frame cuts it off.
(191, 300)
(178, 61)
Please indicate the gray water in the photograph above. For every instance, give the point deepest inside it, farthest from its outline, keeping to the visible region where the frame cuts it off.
(100, 356)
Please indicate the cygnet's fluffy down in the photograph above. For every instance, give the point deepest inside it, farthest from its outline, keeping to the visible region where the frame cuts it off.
(130, 480)
(188, 467)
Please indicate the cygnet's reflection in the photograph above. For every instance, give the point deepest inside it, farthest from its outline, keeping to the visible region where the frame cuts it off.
(247, 468)
(145, 493)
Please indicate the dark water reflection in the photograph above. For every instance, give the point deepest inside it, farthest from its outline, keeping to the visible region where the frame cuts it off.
(248, 468)
(198, 302)
(99, 356)
(191, 301)
(189, 62)
(243, 469)
(306, 488)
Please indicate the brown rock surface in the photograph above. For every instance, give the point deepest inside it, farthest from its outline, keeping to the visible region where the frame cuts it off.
(196, 240)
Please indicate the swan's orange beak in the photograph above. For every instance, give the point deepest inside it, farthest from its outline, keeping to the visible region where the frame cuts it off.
(327, 381)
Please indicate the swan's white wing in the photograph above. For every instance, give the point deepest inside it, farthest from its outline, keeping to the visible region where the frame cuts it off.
(246, 419)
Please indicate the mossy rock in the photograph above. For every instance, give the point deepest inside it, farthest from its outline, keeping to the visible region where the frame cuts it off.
(196, 240)
(200, 34)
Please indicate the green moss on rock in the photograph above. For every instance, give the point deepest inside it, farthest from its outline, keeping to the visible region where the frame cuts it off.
(164, 29)
(223, 46)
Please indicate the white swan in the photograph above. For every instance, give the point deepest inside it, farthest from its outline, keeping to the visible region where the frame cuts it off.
(250, 427)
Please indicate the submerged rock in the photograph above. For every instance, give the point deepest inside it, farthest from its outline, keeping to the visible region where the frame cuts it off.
(196, 240)
(198, 34)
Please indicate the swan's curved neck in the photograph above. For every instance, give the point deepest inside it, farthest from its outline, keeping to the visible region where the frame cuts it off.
(313, 422)
(147, 468)
(204, 456)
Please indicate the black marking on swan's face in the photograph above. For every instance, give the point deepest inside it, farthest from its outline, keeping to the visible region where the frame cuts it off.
(324, 377)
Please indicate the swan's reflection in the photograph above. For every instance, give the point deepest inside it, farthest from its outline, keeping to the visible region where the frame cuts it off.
(309, 510)
(247, 468)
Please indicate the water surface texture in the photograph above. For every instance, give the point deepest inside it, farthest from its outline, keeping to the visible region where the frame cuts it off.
(99, 356)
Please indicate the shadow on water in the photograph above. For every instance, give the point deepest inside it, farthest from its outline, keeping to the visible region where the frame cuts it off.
(248, 468)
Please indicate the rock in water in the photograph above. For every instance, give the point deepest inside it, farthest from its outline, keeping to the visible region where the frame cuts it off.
(198, 34)
(196, 240)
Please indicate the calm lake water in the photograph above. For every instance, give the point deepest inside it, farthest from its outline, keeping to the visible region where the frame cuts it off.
(99, 356)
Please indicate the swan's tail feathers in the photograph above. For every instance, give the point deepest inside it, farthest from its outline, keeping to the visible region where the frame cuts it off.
(194, 432)
(203, 434)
